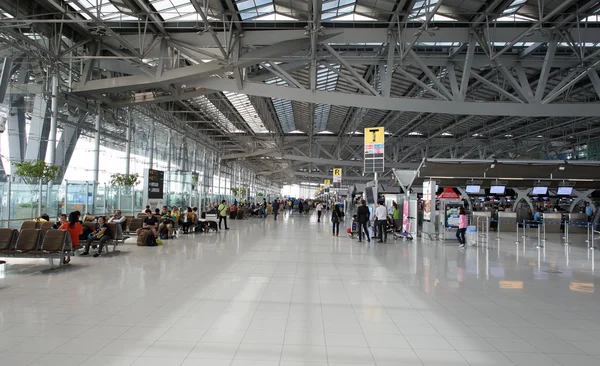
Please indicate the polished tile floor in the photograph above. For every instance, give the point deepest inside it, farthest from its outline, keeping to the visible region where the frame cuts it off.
(286, 293)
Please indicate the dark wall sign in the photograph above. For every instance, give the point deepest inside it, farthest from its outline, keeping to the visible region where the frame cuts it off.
(156, 181)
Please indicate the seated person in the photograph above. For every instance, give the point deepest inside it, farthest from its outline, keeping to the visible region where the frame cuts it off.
(157, 211)
(189, 219)
(61, 220)
(167, 221)
(117, 217)
(43, 218)
(150, 223)
(101, 234)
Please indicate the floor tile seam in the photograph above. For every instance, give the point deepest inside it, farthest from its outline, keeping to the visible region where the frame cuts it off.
(154, 342)
(246, 331)
(323, 322)
(287, 321)
(359, 324)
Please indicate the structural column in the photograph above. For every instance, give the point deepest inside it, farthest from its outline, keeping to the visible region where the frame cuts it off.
(53, 120)
(96, 157)
(128, 142)
(151, 163)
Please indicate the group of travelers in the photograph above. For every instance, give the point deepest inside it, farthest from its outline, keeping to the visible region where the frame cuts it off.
(72, 223)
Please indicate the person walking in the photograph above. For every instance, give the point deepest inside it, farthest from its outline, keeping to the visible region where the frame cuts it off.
(222, 210)
(381, 221)
(463, 222)
(275, 208)
(300, 207)
(319, 211)
(362, 218)
(395, 215)
(336, 217)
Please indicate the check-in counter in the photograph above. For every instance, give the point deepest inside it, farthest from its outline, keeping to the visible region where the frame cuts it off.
(506, 221)
(552, 222)
(577, 223)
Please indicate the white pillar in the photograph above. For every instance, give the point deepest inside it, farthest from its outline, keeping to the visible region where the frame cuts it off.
(96, 158)
(151, 163)
(53, 120)
(128, 142)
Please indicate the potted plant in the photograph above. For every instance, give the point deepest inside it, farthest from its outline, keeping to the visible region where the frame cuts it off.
(36, 172)
(125, 181)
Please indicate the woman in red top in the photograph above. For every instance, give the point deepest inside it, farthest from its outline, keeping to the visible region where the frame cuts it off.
(75, 229)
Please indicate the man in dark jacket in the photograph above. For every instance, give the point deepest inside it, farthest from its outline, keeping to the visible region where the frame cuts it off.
(275, 208)
(362, 217)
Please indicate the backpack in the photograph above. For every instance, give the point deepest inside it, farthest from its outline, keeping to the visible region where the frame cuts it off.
(151, 240)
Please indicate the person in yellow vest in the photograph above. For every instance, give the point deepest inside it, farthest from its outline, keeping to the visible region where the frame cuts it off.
(222, 210)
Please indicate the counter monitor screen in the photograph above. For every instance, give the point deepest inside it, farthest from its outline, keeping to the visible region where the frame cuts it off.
(539, 190)
(497, 189)
(473, 189)
(565, 191)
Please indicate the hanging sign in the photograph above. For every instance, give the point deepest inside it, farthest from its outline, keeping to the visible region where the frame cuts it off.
(374, 154)
(337, 177)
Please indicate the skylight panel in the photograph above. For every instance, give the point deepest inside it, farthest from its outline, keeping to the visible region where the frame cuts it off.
(327, 79)
(321, 116)
(353, 17)
(242, 104)
(5, 15)
(209, 108)
(275, 17)
(175, 9)
(415, 133)
(285, 113)
(283, 107)
(261, 10)
(421, 8)
(102, 9)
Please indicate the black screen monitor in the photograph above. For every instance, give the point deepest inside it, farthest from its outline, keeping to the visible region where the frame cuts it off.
(565, 191)
(497, 189)
(473, 189)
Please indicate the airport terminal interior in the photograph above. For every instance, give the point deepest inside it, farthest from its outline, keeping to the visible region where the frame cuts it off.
(299, 183)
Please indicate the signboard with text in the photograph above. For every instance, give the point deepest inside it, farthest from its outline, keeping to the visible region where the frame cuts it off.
(337, 177)
(155, 184)
(374, 153)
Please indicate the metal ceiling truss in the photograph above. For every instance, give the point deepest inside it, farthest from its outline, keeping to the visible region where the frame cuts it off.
(446, 78)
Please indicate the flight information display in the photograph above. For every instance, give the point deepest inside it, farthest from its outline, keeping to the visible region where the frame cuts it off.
(539, 190)
(497, 189)
(473, 189)
(565, 191)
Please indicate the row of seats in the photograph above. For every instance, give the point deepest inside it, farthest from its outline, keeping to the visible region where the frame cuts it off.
(35, 243)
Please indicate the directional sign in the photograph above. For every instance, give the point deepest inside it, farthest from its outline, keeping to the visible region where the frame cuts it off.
(374, 135)
(337, 178)
(374, 154)
(327, 182)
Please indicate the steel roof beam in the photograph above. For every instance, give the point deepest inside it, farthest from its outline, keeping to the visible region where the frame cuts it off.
(411, 104)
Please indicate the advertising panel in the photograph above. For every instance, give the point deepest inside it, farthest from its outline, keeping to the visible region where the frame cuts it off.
(427, 201)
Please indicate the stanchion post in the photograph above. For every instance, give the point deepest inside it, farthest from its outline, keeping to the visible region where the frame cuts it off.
(517, 241)
(544, 238)
(539, 236)
(587, 239)
(566, 232)
(477, 228)
(524, 232)
(487, 232)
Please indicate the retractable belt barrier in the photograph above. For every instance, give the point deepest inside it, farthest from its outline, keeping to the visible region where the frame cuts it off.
(592, 233)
